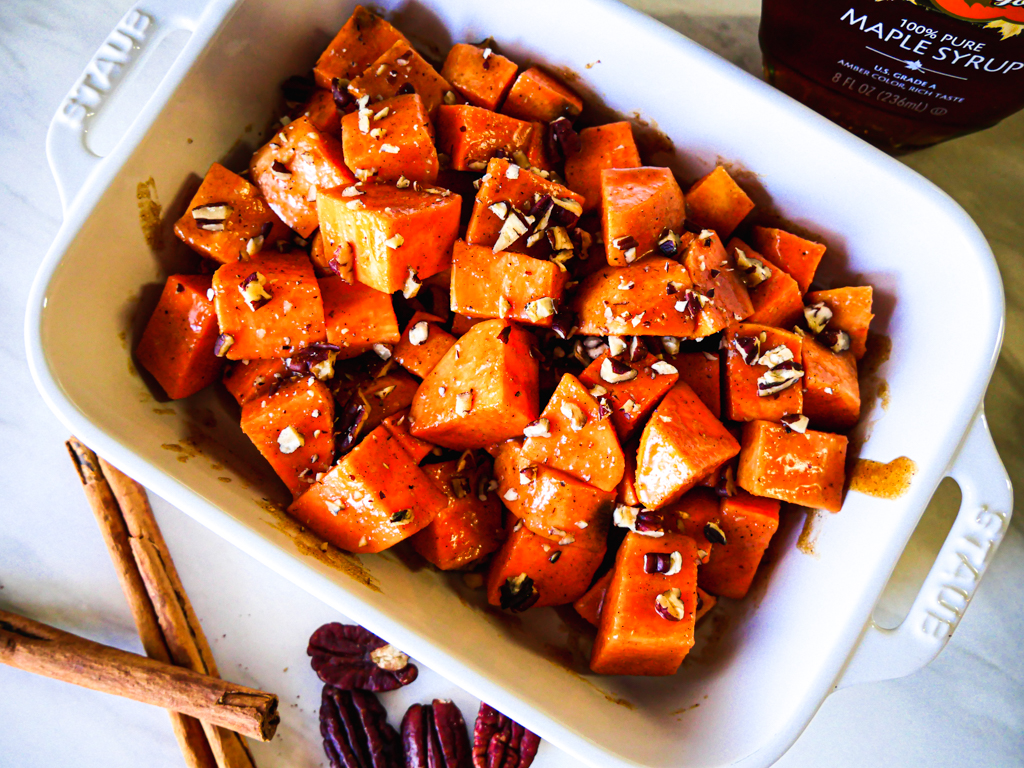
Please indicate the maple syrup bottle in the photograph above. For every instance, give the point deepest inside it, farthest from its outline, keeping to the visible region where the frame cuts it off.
(900, 73)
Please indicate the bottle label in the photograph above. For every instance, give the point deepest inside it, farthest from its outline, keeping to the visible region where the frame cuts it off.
(983, 10)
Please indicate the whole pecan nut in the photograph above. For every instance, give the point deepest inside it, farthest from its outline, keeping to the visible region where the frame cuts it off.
(350, 657)
(356, 732)
(499, 742)
(435, 736)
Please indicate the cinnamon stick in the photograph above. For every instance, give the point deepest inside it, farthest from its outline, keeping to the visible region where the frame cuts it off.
(47, 651)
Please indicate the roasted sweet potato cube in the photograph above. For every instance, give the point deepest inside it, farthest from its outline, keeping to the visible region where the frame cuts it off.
(681, 443)
(638, 207)
(398, 425)
(580, 438)
(470, 526)
(398, 70)
(462, 323)
(715, 277)
(690, 516)
(747, 524)
(369, 404)
(391, 139)
(806, 469)
(228, 219)
(537, 96)
(647, 620)
(831, 392)
(357, 316)
(851, 312)
(601, 147)
(359, 506)
(322, 111)
(293, 167)
(483, 391)
(794, 255)
(717, 202)
(702, 371)
(626, 492)
(177, 346)
(363, 39)
(643, 299)
(424, 342)
(249, 379)
(471, 136)
(529, 565)
(476, 272)
(589, 606)
(268, 307)
(393, 233)
(482, 76)
(293, 429)
(630, 398)
(776, 299)
(756, 390)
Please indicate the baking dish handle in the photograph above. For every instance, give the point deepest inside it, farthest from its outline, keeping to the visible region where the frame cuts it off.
(985, 509)
(140, 31)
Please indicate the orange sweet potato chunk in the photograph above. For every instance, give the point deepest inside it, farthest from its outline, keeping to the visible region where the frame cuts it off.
(681, 443)
(581, 439)
(249, 379)
(360, 507)
(589, 606)
(293, 167)
(177, 346)
(851, 312)
(476, 271)
(392, 232)
(690, 516)
(556, 574)
(397, 70)
(806, 469)
(715, 277)
(224, 235)
(743, 399)
(632, 637)
(371, 403)
(471, 136)
(601, 147)
(776, 300)
(322, 111)
(470, 526)
(638, 207)
(293, 429)
(796, 256)
(717, 202)
(626, 492)
(539, 97)
(831, 391)
(398, 425)
(290, 320)
(357, 316)
(632, 399)
(483, 391)
(364, 38)
(397, 141)
(424, 342)
(480, 75)
(747, 523)
(702, 371)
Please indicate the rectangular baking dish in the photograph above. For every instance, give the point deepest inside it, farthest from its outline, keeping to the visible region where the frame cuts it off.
(762, 667)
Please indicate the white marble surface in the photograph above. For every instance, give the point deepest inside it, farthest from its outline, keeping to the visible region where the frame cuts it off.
(966, 708)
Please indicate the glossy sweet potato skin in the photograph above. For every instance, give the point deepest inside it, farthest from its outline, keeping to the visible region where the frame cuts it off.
(638, 206)
(777, 301)
(538, 97)
(481, 77)
(357, 316)
(717, 202)
(851, 312)
(742, 401)
(363, 38)
(471, 136)
(601, 147)
(831, 397)
(404, 145)
(398, 66)
(748, 523)
(630, 401)
(795, 255)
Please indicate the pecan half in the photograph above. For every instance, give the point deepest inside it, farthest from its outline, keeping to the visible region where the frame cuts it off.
(356, 732)
(349, 657)
(434, 736)
(499, 742)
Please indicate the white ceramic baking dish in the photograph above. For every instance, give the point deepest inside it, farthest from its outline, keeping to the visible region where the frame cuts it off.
(765, 665)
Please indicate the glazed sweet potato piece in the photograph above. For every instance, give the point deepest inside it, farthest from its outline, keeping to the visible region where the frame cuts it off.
(806, 469)
(462, 323)
(589, 606)
(483, 391)
(293, 429)
(851, 312)
(471, 136)
(831, 391)
(690, 516)
(746, 524)
(750, 390)
(539, 97)
(626, 492)
(395, 72)
(371, 402)
(293, 167)
(776, 299)
(480, 75)
(647, 620)
(702, 371)
(249, 379)
(322, 111)
(580, 438)
(424, 342)
(638, 207)
(177, 346)
(357, 316)
(630, 398)
(796, 256)
(531, 571)
(715, 277)
(397, 424)
(476, 280)
(228, 219)
(360, 508)
(601, 147)
(470, 526)
(268, 307)
(391, 139)
(680, 444)
(393, 233)
(717, 202)
(363, 39)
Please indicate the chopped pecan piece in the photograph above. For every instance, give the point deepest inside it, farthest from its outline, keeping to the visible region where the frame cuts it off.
(356, 732)
(499, 742)
(349, 657)
(434, 736)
